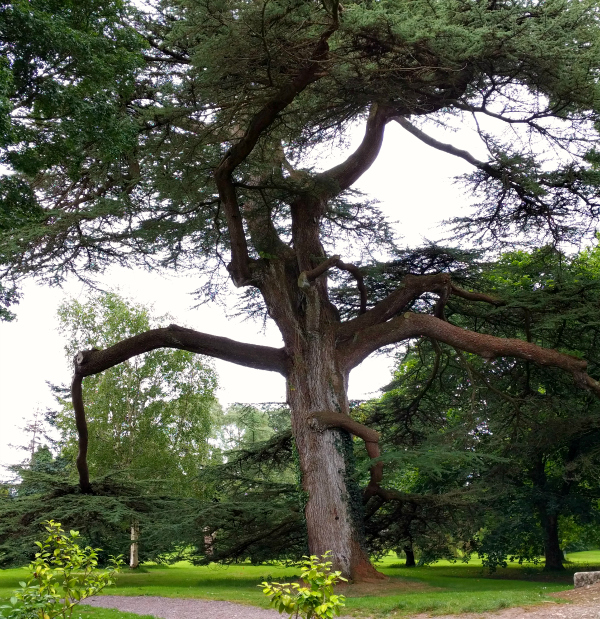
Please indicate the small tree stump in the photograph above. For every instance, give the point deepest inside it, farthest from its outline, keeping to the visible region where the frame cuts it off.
(583, 579)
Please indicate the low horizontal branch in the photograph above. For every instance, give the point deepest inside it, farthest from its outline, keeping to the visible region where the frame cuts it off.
(90, 362)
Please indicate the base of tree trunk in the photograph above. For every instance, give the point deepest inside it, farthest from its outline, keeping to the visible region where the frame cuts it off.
(410, 558)
(554, 568)
(366, 572)
(553, 554)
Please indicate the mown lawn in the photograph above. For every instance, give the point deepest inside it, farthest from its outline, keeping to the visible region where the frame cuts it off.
(440, 588)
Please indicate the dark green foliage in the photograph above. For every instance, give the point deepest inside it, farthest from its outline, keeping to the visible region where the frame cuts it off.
(254, 510)
(248, 508)
(124, 115)
(103, 518)
(515, 443)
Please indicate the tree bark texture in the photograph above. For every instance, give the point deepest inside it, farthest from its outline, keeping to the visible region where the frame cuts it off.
(410, 556)
(333, 502)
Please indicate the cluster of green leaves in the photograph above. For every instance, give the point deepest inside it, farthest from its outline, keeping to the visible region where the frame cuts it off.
(150, 416)
(315, 600)
(63, 574)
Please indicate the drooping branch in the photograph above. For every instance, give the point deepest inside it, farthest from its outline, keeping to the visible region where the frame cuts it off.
(93, 361)
(344, 175)
(90, 362)
(329, 419)
(489, 169)
(411, 325)
(443, 146)
(308, 276)
(82, 433)
(240, 260)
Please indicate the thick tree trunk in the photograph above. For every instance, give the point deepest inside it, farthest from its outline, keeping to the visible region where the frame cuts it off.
(410, 556)
(333, 507)
(134, 547)
(553, 554)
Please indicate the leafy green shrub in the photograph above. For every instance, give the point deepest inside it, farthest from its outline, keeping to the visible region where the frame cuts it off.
(315, 600)
(63, 574)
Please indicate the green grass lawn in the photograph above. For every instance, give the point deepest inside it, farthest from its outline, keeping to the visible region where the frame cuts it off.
(441, 588)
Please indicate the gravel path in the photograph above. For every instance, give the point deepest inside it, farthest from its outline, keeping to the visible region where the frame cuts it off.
(180, 608)
(585, 604)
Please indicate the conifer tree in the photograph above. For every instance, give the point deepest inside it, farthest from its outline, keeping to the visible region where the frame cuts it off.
(181, 134)
(529, 438)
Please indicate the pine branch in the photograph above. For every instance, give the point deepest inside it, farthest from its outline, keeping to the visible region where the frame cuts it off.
(93, 361)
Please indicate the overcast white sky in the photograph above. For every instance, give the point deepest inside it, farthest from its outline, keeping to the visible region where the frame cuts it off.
(414, 185)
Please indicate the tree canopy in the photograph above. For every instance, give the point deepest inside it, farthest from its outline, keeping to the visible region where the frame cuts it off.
(190, 135)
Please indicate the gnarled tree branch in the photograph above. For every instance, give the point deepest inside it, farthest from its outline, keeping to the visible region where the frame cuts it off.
(411, 325)
(240, 261)
(411, 287)
(308, 276)
(330, 419)
(344, 175)
(360, 282)
(90, 362)
(322, 420)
